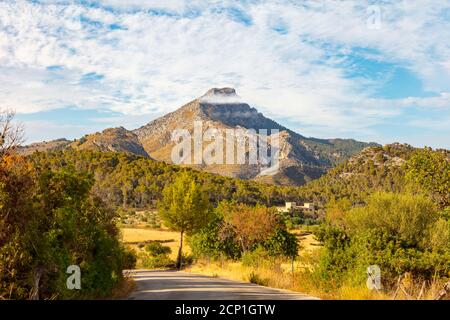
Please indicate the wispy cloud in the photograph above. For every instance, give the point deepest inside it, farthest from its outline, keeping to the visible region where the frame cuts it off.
(293, 60)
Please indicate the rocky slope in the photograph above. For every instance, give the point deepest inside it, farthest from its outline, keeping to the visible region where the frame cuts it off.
(301, 159)
(112, 139)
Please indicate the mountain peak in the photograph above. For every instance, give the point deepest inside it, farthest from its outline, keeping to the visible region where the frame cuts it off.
(220, 92)
(221, 96)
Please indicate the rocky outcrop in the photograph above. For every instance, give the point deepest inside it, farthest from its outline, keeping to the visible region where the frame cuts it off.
(113, 139)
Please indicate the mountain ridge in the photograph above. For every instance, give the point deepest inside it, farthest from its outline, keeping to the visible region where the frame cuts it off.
(302, 159)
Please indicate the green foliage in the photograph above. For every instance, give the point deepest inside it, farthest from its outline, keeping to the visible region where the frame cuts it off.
(403, 230)
(50, 220)
(403, 216)
(211, 242)
(282, 243)
(366, 223)
(233, 233)
(399, 232)
(374, 169)
(156, 262)
(298, 218)
(156, 256)
(184, 208)
(431, 171)
(126, 180)
(156, 248)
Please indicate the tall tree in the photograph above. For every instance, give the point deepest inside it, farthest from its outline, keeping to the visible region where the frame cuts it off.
(431, 171)
(251, 225)
(184, 208)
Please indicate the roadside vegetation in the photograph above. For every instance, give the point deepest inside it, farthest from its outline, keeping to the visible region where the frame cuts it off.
(49, 220)
(406, 233)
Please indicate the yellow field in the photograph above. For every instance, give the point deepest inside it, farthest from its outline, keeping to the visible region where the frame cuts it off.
(142, 234)
(134, 236)
(307, 241)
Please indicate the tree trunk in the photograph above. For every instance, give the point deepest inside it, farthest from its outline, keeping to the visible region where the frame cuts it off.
(179, 257)
(37, 274)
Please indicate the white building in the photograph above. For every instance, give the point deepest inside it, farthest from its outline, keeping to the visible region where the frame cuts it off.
(306, 207)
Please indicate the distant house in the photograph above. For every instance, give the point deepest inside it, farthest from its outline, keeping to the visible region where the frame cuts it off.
(307, 207)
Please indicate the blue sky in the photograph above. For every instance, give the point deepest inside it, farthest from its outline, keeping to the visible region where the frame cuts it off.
(368, 70)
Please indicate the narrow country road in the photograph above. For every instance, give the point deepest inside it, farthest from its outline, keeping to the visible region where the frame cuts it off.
(176, 285)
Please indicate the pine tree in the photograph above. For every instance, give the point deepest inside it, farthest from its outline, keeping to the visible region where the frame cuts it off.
(184, 208)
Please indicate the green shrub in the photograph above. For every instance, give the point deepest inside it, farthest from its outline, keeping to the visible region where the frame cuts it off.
(155, 262)
(210, 242)
(221, 239)
(156, 256)
(282, 243)
(398, 232)
(51, 220)
(156, 249)
(257, 258)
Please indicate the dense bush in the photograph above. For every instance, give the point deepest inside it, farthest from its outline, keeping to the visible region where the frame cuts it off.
(48, 221)
(206, 242)
(239, 229)
(430, 170)
(398, 232)
(156, 256)
(156, 248)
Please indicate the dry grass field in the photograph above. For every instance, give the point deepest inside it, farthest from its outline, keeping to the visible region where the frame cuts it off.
(307, 241)
(136, 237)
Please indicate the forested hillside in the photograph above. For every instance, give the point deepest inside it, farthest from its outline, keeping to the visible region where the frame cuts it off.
(129, 180)
(373, 169)
(132, 181)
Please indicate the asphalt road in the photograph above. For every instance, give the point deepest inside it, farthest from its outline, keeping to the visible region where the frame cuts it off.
(176, 285)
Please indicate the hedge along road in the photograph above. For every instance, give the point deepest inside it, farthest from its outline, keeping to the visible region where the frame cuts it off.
(177, 285)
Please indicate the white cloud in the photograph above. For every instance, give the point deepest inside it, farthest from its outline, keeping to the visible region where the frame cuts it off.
(440, 101)
(285, 62)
